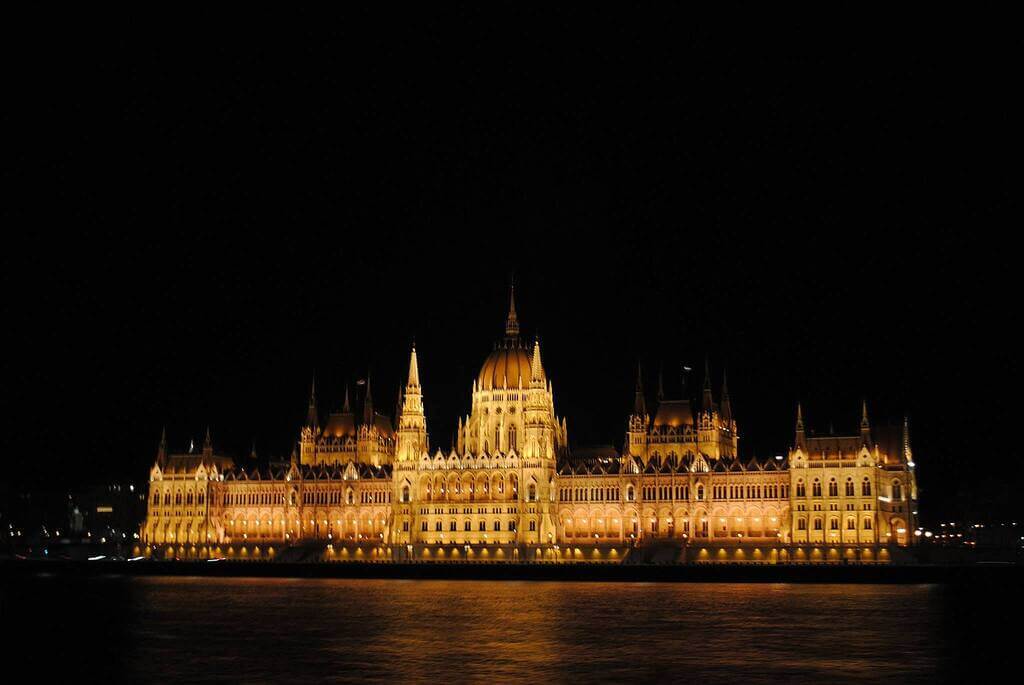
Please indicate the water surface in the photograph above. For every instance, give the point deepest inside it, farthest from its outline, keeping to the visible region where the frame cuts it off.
(273, 630)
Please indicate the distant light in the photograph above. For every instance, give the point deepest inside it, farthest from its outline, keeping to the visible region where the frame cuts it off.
(778, 457)
(102, 556)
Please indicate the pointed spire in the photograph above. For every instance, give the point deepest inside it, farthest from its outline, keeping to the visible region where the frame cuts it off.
(708, 400)
(252, 452)
(726, 403)
(908, 456)
(865, 426)
(161, 450)
(207, 442)
(347, 407)
(800, 435)
(311, 417)
(511, 322)
(536, 368)
(368, 404)
(639, 405)
(414, 370)
(661, 382)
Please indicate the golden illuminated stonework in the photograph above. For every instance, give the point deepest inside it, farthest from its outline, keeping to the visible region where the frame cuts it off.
(360, 487)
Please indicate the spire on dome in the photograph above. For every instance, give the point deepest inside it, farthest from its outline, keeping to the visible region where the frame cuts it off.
(511, 322)
(536, 368)
(346, 408)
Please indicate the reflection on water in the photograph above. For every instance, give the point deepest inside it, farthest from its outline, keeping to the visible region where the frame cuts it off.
(266, 630)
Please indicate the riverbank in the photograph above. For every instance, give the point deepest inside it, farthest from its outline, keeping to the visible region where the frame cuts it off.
(697, 573)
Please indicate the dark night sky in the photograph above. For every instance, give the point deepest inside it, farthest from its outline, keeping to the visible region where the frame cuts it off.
(222, 213)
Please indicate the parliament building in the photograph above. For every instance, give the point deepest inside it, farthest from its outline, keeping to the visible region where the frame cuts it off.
(359, 486)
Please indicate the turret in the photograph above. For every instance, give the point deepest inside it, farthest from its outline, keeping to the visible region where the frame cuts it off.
(639, 404)
(412, 424)
(368, 405)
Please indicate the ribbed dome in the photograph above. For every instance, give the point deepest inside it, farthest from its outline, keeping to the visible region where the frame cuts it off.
(505, 363)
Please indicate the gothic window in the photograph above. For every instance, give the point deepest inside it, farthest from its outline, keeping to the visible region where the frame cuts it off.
(816, 488)
(437, 526)
(423, 526)
(801, 490)
(533, 526)
(849, 487)
(350, 497)
(453, 526)
(867, 524)
(405, 493)
(833, 524)
(177, 498)
(897, 491)
(851, 524)
(512, 438)
(497, 438)
(497, 525)
(467, 526)
(483, 525)
(700, 492)
(833, 488)
(532, 493)
(817, 524)
(630, 493)
(156, 498)
(865, 487)
(801, 524)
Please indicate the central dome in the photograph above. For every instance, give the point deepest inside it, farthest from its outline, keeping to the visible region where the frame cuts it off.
(505, 364)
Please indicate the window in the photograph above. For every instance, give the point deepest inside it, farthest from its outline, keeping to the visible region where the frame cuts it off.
(512, 438)
(849, 487)
(423, 526)
(801, 491)
(405, 493)
(483, 525)
(867, 524)
(156, 498)
(497, 525)
(851, 524)
(897, 491)
(452, 526)
(533, 525)
(817, 524)
(833, 488)
(816, 488)
(865, 487)
(405, 526)
(833, 524)
(437, 526)
(801, 524)
(700, 492)
(467, 526)
(532, 493)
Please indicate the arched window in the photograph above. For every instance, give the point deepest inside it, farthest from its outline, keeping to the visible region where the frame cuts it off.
(867, 524)
(533, 525)
(405, 493)
(630, 493)
(156, 498)
(833, 524)
(497, 525)
(865, 487)
(532, 492)
(816, 488)
(177, 498)
(350, 497)
(801, 490)
(497, 438)
(897, 491)
(467, 526)
(817, 524)
(801, 524)
(512, 438)
(700, 492)
(833, 488)
(849, 487)
(851, 523)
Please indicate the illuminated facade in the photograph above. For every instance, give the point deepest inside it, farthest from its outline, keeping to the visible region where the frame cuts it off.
(511, 487)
